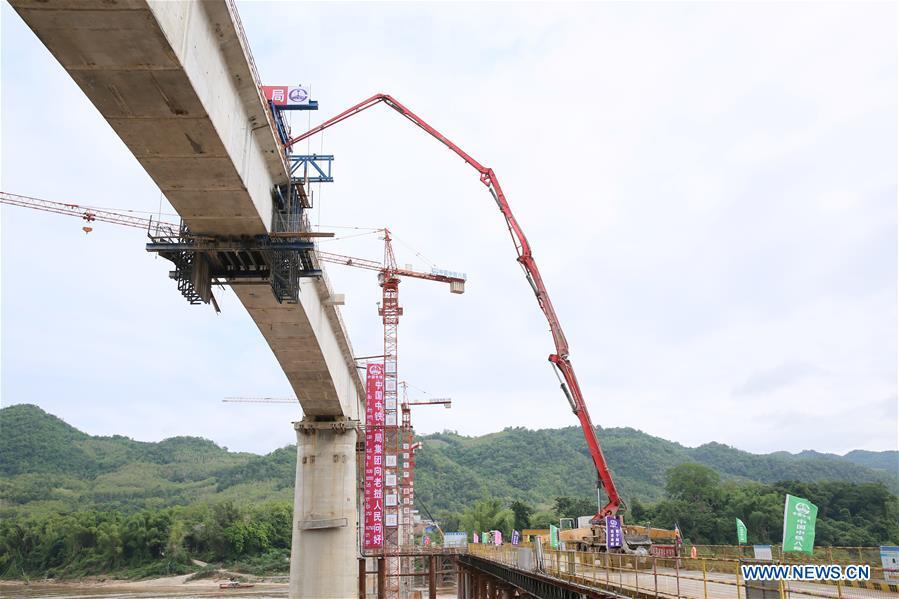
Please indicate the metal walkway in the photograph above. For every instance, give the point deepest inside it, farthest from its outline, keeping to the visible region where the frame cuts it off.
(507, 572)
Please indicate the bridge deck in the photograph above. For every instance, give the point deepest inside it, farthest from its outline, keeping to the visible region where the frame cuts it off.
(667, 578)
(174, 79)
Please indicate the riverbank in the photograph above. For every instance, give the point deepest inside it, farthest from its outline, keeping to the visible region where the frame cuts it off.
(175, 586)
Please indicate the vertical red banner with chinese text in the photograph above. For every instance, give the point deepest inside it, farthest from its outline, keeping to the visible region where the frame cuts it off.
(373, 531)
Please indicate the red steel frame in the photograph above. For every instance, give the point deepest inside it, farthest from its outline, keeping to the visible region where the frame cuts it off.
(398, 426)
(559, 358)
(390, 312)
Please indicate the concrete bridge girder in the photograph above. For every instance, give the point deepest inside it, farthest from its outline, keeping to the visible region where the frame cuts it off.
(174, 79)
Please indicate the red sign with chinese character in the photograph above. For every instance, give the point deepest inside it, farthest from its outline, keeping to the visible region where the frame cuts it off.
(286, 95)
(663, 551)
(373, 531)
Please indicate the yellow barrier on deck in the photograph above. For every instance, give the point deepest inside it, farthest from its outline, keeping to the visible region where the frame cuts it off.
(650, 577)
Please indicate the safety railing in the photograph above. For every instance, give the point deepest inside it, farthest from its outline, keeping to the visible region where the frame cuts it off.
(680, 577)
(829, 555)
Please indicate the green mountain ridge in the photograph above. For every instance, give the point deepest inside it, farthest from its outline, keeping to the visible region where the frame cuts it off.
(533, 466)
(47, 465)
(876, 460)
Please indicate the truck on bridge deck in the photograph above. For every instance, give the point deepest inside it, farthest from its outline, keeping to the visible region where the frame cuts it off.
(636, 538)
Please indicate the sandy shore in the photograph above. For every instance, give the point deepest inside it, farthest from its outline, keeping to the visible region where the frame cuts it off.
(164, 583)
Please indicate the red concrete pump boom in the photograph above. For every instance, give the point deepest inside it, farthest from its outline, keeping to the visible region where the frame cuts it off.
(559, 359)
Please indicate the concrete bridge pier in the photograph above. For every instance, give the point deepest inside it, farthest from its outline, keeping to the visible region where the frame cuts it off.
(176, 82)
(323, 550)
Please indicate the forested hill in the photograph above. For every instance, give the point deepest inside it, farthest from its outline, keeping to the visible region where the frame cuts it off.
(531, 466)
(47, 465)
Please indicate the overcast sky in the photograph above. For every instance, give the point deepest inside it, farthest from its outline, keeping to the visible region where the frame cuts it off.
(709, 188)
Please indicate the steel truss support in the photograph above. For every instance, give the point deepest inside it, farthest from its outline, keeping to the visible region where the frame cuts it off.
(311, 168)
(529, 583)
(281, 259)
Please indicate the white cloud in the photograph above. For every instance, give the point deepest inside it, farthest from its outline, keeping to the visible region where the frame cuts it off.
(709, 188)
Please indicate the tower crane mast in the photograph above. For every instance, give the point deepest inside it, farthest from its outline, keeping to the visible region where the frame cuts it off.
(398, 433)
(409, 441)
(559, 359)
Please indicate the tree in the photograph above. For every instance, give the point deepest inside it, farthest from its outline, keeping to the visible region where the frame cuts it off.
(637, 512)
(692, 483)
(522, 513)
(543, 519)
(450, 521)
(486, 515)
(568, 507)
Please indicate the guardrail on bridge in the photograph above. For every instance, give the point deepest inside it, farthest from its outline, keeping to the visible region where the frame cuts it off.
(646, 576)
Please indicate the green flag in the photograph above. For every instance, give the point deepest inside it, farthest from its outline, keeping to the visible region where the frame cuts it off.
(799, 525)
(741, 533)
(553, 537)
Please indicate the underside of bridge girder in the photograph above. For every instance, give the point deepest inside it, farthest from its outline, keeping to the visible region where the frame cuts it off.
(176, 82)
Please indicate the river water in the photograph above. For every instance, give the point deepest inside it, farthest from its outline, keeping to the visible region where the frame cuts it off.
(60, 592)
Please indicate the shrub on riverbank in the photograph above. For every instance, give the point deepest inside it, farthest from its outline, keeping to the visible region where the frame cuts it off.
(149, 543)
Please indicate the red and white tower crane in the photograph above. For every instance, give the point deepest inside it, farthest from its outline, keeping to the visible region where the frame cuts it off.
(398, 433)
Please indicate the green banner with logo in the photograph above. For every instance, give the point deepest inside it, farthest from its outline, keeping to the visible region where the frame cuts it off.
(553, 537)
(742, 534)
(799, 525)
